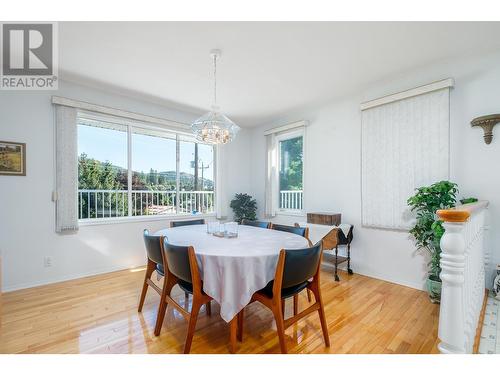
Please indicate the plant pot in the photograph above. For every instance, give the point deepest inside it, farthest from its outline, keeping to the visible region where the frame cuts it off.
(434, 289)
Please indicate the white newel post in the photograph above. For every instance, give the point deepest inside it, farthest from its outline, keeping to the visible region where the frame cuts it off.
(452, 277)
(463, 276)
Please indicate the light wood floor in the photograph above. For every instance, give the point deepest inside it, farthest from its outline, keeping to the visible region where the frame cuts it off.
(99, 315)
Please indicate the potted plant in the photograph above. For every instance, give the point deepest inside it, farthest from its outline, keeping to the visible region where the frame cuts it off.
(428, 229)
(244, 207)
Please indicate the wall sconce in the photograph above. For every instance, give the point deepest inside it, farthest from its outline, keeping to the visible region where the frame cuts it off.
(487, 123)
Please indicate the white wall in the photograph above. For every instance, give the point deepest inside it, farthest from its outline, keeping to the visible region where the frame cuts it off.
(27, 213)
(333, 169)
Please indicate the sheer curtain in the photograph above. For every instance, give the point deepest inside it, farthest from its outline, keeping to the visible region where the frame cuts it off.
(405, 145)
(271, 203)
(66, 169)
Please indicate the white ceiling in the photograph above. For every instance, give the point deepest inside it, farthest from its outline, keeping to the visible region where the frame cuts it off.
(266, 69)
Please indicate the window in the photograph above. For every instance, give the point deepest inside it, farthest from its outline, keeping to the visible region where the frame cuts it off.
(405, 145)
(290, 151)
(136, 170)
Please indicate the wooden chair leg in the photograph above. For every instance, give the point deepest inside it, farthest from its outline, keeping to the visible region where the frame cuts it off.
(322, 319)
(283, 305)
(143, 296)
(233, 333)
(191, 327)
(162, 309)
(149, 271)
(280, 326)
(295, 304)
(240, 325)
(309, 299)
(208, 306)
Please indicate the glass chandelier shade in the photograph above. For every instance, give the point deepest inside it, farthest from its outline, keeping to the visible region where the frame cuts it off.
(214, 127)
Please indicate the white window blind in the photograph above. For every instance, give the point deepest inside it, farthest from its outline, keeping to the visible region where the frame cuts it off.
(405, 145)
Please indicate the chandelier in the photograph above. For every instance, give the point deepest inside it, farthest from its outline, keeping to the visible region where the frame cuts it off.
(214, 127)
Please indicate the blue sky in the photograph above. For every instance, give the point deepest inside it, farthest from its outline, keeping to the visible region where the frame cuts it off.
(147, 151)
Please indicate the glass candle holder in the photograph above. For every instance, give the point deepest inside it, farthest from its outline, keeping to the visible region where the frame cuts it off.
(231, 229)
(213, 227)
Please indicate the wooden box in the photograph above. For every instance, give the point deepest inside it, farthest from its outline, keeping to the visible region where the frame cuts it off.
(324, 218)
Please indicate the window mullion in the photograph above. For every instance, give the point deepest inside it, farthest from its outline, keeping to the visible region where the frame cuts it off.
(129, 169)
(177, 173)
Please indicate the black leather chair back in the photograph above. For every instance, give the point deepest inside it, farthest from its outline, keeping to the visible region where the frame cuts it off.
(287, 228)
(255, 223)
(178, 261)
(153, 247)
(181, 223)
(300, 265)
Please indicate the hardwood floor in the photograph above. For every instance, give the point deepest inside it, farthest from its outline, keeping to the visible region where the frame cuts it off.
(99, 315)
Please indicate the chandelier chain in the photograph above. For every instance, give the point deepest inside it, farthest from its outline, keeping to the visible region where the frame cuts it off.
(215, 79)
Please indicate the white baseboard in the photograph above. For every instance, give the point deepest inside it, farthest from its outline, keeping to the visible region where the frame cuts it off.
(12, 288)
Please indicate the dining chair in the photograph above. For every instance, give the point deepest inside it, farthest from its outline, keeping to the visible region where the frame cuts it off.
(296, 270)
(155, 263)
(301, 231)
(182, 269)
(256, 223)
(296, 229)
(181, 223)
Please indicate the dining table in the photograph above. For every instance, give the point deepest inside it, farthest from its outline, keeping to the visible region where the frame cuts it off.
(233, 269)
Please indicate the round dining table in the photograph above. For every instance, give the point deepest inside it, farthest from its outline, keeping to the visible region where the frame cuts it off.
(233, 269)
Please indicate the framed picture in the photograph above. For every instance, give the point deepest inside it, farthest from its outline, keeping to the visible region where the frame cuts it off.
(12, 159)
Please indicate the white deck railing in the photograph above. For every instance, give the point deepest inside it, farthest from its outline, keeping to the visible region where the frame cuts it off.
(463, 260)
(94, 204)
(291, 199)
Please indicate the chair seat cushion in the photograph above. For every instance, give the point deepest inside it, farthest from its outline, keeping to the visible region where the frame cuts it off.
(159, 269)
(285, 292)
(185, 286)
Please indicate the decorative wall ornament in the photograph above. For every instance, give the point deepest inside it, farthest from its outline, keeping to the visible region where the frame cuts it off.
(487, 123)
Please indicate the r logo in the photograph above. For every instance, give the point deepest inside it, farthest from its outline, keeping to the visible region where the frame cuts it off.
(27, 49)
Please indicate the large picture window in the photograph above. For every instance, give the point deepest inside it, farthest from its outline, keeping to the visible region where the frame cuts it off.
(134, 170)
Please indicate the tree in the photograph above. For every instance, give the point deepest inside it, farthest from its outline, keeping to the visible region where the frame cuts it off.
(291, 164)
(92, 174)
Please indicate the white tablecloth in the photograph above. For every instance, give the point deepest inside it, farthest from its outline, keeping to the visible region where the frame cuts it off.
(233, 269)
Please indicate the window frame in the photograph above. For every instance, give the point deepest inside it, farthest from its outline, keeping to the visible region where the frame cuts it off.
(295, 133)
(130, 124)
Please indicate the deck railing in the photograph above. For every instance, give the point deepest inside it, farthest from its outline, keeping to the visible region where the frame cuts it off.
(291, 199)
(94, 204)
(463, 259)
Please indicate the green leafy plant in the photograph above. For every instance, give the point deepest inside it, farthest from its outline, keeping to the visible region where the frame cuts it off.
(468, 200)
(244, 207)
(428, 229)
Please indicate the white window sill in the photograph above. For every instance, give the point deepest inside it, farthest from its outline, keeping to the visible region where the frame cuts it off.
(291, 213)
(134, 219)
